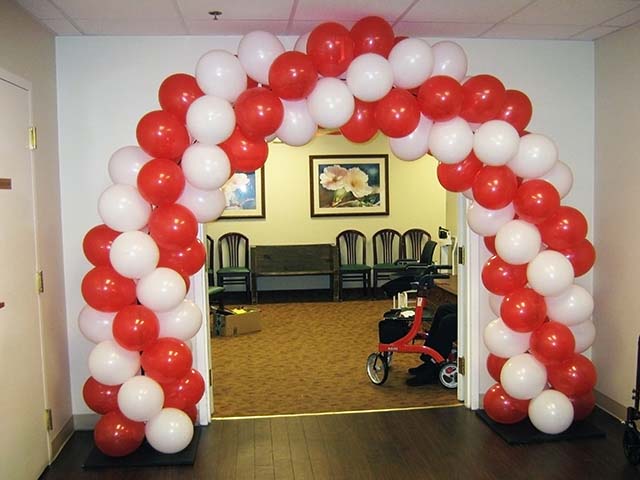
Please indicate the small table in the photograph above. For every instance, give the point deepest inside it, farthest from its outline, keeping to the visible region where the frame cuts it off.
(446, 291)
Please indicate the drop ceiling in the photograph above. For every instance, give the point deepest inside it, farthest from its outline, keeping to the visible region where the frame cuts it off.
(507, 19)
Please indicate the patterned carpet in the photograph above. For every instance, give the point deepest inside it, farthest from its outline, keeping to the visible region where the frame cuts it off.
(310, 358)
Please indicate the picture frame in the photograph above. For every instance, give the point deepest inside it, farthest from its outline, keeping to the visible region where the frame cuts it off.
(344, 185)
(244, 194)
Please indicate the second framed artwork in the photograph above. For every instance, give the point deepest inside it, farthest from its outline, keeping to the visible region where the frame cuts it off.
(244, 194)
(349, 185)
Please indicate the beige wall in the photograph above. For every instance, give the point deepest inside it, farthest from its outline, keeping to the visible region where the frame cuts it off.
(27, 50)
(617, 170)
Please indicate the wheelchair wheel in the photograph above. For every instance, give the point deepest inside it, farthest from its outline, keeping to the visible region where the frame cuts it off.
(377, 368)
(631, 445)
(448, 375)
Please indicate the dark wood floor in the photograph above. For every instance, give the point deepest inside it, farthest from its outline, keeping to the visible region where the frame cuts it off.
(448, 443)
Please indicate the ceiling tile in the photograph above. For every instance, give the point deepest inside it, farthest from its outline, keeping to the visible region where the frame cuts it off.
(571, 12)
(60, 26)
(341, 10)
(235, 27)
(593, 33)
(470, 11)
(626, 19)
(235, 10)
(138, 9)
(540, 32)
(131, 27)
(40, 8)
(440, 29)
(300, 27)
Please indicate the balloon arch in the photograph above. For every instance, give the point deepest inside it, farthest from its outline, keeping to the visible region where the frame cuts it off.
(360, 81)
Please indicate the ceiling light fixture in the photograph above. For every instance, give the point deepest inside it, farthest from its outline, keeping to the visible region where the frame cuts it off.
(215, 14)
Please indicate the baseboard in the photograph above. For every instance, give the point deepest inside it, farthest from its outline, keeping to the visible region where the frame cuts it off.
(610, 406)
(86, 421)
(61, 438)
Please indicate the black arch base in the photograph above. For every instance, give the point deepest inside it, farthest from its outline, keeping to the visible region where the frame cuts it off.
(524, 432)
(145, 456)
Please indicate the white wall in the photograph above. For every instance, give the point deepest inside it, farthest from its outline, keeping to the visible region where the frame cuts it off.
(617, 171)
(107, 84)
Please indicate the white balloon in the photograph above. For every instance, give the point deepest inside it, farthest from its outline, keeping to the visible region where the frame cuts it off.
(162, 290)
(495, 302)
(140, 398)
(206, 205)
(416, 144)
(134, 254)
(257, 51)
(206, 167)
(584, 334)
(111, 364)
(449, 59)
(182, 322)
(219, 73)
(571, 307)
(551, 412)
(451, 141)
(412, 62)
(523, 377)
(210, 119)
(561, 177)
(125, 164)
(518, 242)
(170, 431)
(487, 222)
(122, 208)
(301, 43)
(536, 155)
(468, 193)
(96, 326)
(370, 77)
(495, 142)
(504, 342)
(330, 103)
(550, 273)
(298, 127)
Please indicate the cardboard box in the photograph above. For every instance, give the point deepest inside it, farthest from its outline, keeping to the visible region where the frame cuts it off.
(229, 324)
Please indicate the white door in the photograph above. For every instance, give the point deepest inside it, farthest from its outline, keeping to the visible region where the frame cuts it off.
(23, 439)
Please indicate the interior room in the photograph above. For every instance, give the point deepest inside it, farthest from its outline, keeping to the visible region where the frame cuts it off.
(88, 71)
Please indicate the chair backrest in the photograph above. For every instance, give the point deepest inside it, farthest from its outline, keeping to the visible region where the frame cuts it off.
(352, 247)
(386, 246)
(210, 266)
(427, 252)
(233, 250)
(413, 241)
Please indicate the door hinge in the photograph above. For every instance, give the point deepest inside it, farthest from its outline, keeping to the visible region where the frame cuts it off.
(40, 281)
(48, 418)
(461, 255)
(210, 377)
(461, 366)
(33, 138)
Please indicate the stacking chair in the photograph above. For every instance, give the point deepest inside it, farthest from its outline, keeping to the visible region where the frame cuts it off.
(352, 256)
(386, 251)
(214, 292)
(412, 243)
(233, 262)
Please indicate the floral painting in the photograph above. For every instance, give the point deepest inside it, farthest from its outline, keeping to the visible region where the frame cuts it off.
(349, 185)
(244, 194)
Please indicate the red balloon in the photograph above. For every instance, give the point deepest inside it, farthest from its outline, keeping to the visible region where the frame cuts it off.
(490, 243)
(458, 177)
(116, 436)
(106, 290)
(184, 392)
(259, 112)
(582, 256)
(536, 200)
(494, 187)
(135, 327)
(502, 408)
(523, 310)
(516, 109)
(186, 261)
(362, 126)
(566, 228)
(483, 96)
(99, 397)
(173, 226)
(494, 366)
(97, 245)
(440, 98)
(574, 377)
(293, 76)
(552, 343)
(372, 35)
(166, 360)
(501, 278)
(583, 405)
(331, 49)
(177, 92)
(192, 411)
(162, 135)
(245, 155)
(160, 181)
(397, 113)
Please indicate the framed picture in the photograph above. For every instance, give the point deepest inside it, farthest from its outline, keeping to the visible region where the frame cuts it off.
(244, 193)
(349, 185)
